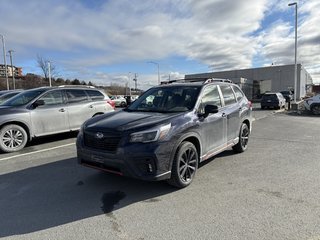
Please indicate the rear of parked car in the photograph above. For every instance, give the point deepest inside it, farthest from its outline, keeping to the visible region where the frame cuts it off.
(44, 111)
(272, 100)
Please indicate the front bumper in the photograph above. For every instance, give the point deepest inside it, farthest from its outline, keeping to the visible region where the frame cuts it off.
(145, 161)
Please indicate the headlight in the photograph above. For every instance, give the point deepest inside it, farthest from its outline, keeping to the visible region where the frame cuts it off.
(150, 135)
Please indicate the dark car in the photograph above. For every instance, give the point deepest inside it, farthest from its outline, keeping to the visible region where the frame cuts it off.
(47, 110)
(168, 131)
(272, 100)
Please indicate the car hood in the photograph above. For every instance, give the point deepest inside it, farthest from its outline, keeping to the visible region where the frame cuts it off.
(123, 120)
(10, 110)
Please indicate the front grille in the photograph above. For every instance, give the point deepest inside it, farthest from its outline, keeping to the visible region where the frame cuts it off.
(107, 143)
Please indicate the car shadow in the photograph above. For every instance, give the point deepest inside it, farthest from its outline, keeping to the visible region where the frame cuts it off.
(58, 193)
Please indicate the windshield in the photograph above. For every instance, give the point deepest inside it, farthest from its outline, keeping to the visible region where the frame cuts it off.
(167, 99)
(23, 98)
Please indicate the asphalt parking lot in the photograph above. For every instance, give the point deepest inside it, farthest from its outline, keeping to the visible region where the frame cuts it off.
(271, 191)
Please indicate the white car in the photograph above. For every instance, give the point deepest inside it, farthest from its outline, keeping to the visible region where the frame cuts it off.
(119, 101)
(313, 104)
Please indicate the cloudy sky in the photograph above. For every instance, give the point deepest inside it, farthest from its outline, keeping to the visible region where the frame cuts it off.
(107, 41)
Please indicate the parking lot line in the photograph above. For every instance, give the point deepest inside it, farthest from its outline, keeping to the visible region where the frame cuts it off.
(39, 151)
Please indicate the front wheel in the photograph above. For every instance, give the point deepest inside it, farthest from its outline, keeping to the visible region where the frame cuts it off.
(184, 165)
(242, 145)
(13, 138)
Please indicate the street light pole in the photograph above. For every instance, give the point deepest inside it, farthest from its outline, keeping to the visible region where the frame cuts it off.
(5, 60)
(12, 70)
(295, 50)
(158, 70)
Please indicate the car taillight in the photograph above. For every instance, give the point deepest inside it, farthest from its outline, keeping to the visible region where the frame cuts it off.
(250, 104)
(111, 103)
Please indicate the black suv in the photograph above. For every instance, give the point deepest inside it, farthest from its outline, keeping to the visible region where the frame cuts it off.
(168, 131)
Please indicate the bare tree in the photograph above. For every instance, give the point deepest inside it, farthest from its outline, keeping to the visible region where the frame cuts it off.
(43, 64)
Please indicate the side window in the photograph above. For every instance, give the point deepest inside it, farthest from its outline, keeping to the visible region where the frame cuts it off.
(210, 96)
(52, 98)
(76, 95)
(239, 94)
(228, 94)
(95, 95)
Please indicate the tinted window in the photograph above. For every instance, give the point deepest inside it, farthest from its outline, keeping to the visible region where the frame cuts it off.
(167, 99)
(239, 94)
(228, 94)
(76, 95)
(95, 95)
(52, 98)
(269, 97)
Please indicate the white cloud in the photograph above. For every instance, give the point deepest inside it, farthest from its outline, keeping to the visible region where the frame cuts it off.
(218, 33)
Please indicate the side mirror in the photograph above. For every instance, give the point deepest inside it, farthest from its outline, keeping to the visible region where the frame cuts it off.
(211, 109)
(38, 103)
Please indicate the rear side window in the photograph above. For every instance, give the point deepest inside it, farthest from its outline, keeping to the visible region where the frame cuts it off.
(95, 95)
(76, 95)
(228, 95)
(239, 94)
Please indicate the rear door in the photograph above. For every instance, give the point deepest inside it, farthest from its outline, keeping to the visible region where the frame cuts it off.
(79, 107)
(51, 117)
(231, 110)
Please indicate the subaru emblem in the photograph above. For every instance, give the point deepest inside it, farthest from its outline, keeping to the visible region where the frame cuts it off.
(99, 135)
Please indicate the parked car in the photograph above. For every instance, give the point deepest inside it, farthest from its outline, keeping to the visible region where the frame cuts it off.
(8, 95)
(47, 110)
(168, 131)
(272, 100)
(288, 95)
(119, 101)
(313, 104)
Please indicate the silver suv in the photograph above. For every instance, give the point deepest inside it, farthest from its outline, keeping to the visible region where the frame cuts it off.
(48, 110)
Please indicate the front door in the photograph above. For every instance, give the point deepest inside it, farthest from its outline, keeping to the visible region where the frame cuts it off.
(213, 127)
(51, 117)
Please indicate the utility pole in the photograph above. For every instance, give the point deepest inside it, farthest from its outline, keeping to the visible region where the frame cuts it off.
(295, 51)
(5, 60)
(12, 70)
(135, 81)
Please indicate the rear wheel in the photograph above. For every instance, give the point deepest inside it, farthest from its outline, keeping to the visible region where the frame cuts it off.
(12, 138)
(242, 145)
(184, 165)
(315, 109)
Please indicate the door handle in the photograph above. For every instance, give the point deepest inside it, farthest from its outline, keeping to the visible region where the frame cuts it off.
(90, 106)
(224, 115)
(62, 110)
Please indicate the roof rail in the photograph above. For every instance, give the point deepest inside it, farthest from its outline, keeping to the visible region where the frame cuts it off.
(79, 86)
(203, 80)
(217, 80)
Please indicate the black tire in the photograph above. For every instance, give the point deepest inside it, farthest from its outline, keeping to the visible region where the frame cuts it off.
(315, 109)
(123, 104)
(185, 164)
(242, 145)
(13, 138)
(262, 107)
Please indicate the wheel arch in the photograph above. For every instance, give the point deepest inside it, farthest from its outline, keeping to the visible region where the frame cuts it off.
(193, 138)
(21, 124)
